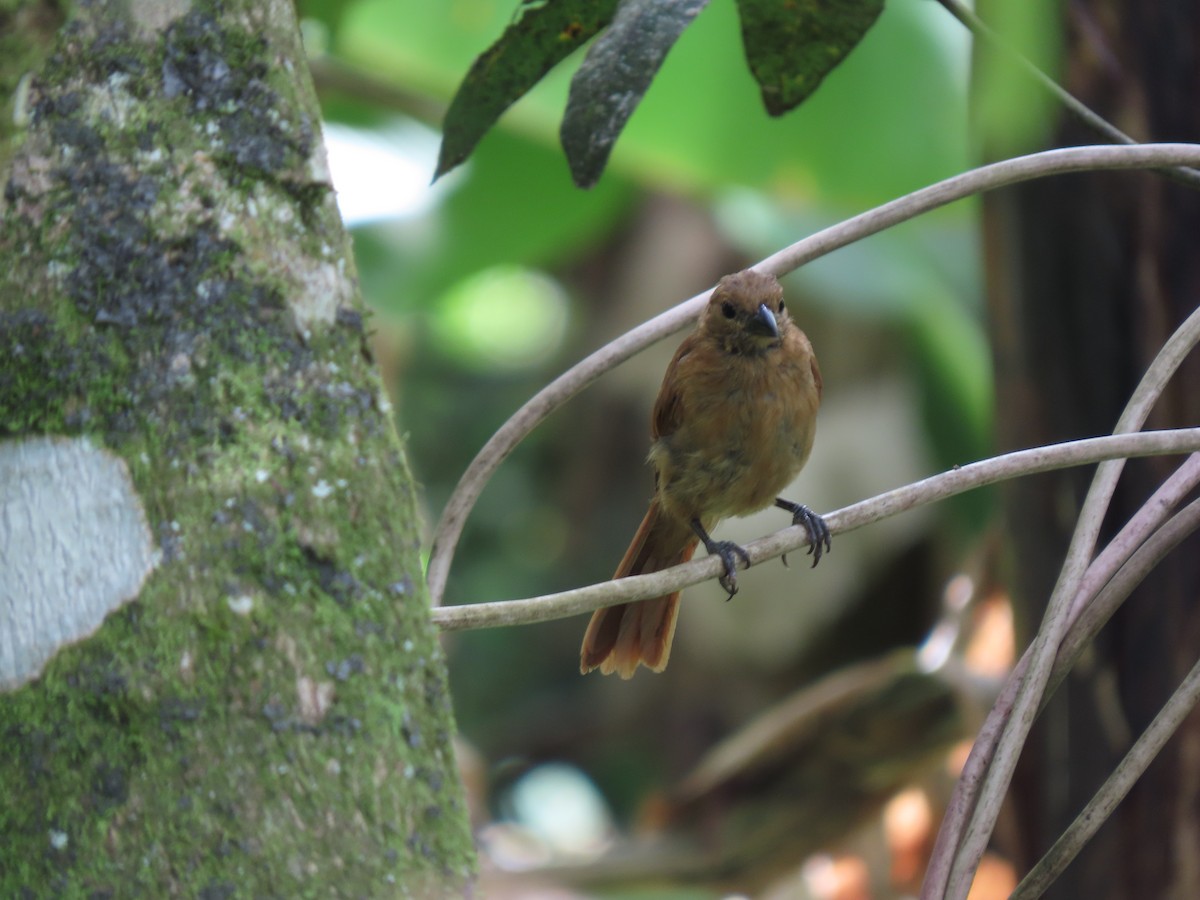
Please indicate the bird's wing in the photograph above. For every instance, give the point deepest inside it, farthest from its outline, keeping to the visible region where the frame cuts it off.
(668, 408)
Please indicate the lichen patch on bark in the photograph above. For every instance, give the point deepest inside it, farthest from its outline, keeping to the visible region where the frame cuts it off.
(71, 502)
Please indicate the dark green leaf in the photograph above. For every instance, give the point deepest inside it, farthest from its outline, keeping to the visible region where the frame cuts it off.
(614, 76)
(792, 44)
(543, 33)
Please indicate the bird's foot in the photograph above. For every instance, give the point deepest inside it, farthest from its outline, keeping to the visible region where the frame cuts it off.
(729, 553)
(819, 539)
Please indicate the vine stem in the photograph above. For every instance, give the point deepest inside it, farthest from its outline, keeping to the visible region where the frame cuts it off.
(938, 487)
(1152, 740)
(1105, 586)
(561, 389)
(965, 845)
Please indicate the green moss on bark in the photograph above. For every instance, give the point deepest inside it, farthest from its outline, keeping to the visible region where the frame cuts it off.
(270, 716)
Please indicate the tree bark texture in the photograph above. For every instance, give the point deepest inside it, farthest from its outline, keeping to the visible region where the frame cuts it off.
(1087, 277)
(259, 707)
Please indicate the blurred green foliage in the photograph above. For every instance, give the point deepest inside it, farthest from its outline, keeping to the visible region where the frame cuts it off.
(1007, 116)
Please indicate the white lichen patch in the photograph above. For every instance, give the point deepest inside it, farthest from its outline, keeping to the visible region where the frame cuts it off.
(111, 101)
(242, 604)
(153, 16)
(22, 110)
(74, 546)
(319, 289)
(318, 164)
(315, 698)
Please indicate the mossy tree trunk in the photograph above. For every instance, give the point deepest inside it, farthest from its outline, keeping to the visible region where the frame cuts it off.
(218, 670)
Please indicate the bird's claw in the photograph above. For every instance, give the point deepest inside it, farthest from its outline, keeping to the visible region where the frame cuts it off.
(819, 539)
(729, 553)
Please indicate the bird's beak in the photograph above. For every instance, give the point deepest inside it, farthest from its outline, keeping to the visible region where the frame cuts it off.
(764, 322)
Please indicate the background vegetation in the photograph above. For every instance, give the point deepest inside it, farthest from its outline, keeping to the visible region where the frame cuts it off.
(508, 274)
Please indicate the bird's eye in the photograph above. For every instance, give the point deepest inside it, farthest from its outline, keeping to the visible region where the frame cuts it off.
(781, 306)
(727, 310)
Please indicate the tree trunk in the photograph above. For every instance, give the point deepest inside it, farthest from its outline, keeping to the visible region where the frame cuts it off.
(221, 676)
(1087, 277)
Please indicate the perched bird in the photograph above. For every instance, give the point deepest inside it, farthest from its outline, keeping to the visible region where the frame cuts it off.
(732, 426)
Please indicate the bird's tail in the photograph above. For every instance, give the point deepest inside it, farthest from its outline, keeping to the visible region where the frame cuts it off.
(620, 638)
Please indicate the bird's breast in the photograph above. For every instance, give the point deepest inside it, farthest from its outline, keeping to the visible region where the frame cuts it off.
(746, 434)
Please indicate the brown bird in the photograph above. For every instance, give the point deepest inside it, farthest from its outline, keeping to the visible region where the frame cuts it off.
(732, 426)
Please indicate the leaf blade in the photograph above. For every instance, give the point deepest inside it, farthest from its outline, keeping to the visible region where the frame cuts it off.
(792, 46)
(542, 34)
(615, 75)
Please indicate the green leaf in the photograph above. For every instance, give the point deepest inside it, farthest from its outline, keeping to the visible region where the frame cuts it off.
(614, 76)
(543, 33)
(791, 46)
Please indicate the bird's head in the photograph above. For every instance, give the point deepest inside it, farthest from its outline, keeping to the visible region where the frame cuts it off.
(746, 314)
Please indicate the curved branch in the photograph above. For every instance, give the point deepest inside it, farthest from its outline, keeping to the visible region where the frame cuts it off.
(1090, 612)
(787, 540)
(549, 398)
(1046, 643)
(1113, 791)
(1146, 748)
(1094, 613)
